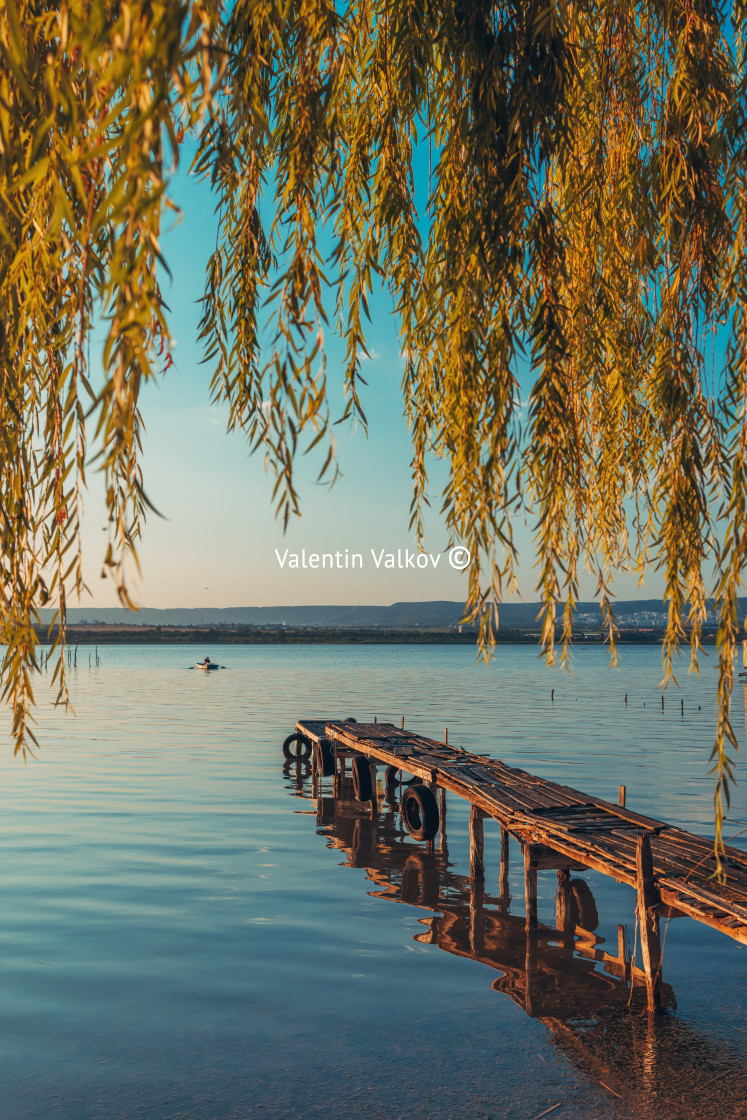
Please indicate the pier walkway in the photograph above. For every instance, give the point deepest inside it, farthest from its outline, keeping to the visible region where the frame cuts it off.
(557, 827)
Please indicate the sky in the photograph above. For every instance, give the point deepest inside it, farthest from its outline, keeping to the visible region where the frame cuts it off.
(218, 543)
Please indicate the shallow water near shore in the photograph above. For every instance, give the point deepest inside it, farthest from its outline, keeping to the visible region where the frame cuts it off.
(188, 933)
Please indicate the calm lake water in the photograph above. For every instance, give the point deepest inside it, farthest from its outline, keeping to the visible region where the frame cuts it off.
(187, 933)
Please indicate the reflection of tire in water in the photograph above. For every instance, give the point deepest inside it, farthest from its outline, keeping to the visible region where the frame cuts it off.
(576, 906)
(364, 843)
(299, 767)
(420, 881)
(325, 758)
(302, 744)
(588, 918)
(362, 785)
(420, 812)
(325, 810)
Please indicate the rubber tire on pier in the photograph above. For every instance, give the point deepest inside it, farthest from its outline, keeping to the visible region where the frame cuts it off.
(420, 812)
(325, 758)
(362, 784)
(588, 918)
(391, 778)
(304, 745)
(350, 719)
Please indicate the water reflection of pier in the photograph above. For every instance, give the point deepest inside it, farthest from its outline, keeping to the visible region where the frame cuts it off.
(592, 1001)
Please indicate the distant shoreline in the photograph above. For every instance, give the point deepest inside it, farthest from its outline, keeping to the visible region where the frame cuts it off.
(115, 634)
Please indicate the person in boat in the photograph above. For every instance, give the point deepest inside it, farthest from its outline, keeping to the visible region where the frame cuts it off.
(207, 661)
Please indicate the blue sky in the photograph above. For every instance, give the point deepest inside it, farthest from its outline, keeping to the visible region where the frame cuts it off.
(216, 543)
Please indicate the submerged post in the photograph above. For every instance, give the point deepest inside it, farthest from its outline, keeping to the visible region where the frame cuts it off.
(476, 845)
(648, 920)
(531, 851)
(505, 898)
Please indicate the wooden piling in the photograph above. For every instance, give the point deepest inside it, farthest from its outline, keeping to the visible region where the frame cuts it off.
(622, 953)
(648, 921)
(621, 796)
(531, 851)
(504, 889)
(564, 911)
(339, 776)
(476, 845)
(442, 818)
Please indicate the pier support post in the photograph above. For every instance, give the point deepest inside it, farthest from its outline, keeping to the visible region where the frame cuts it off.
(442, 843)
(504, 891)
(531, 852)
(648, 921)
(564, 910)
(476, 845)
(339, 776)
(374, 792)
(622, 952)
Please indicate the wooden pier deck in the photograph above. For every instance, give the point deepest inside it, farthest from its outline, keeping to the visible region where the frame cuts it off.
(559, 827)
(586, 992)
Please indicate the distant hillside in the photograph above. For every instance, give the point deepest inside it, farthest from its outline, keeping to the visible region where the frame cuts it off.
(439, 613)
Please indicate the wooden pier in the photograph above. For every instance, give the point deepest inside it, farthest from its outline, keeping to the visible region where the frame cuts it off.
(556, 826)
(587, 993)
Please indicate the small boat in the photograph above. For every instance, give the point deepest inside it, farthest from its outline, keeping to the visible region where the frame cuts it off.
(207, 664)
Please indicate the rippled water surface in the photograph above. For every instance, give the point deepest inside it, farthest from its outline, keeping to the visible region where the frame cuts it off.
(187, 932)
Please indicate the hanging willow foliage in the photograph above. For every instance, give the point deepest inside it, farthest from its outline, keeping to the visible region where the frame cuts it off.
(582, 221)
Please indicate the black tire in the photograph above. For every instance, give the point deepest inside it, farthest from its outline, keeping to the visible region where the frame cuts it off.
(420, 812)
(303, 748)
(588, 918)
(350, 719)
(391, 777)
(362, 784)
(325, 758)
